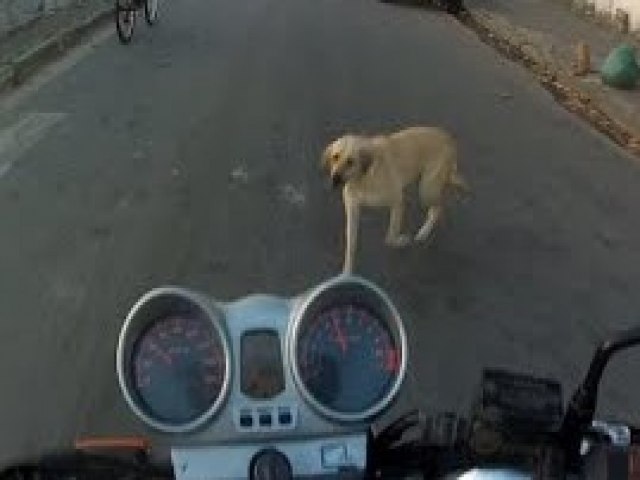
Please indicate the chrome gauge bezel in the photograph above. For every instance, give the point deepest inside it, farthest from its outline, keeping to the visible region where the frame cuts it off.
(342, 288)
(150, 308)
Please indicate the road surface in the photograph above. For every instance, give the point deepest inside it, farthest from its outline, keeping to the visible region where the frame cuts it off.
(191, 157)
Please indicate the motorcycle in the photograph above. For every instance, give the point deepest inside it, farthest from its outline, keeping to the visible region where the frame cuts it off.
(266, 387)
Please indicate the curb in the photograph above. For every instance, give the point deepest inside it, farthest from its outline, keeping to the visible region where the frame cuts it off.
(577, 99)
(21, 68)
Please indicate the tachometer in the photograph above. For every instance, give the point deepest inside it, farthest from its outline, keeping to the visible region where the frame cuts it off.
(349, 351)
(179, 368)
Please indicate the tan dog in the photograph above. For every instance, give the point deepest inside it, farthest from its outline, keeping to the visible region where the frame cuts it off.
(374, 171)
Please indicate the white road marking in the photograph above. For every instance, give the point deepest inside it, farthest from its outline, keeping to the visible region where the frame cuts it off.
(293, 195)
(21, 136)
(240, 174)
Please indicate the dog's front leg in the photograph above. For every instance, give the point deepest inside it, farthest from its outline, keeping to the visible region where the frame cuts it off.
(394, 237)
(352, 212)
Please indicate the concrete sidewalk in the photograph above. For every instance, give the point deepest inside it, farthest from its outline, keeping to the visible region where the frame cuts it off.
(27, 48)
(544, 35)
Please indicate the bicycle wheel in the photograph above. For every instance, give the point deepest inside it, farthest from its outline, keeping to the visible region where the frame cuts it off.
(151, 11)
(125, 19)
(454, 7)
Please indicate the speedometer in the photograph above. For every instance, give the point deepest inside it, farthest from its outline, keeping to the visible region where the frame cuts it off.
(349, 350)
(173, 360)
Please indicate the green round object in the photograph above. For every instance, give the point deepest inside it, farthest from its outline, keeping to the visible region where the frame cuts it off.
(620, 69)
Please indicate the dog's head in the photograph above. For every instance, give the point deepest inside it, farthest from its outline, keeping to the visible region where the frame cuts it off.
(347, 158)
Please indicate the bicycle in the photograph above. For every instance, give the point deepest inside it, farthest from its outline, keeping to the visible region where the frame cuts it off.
(126, 12)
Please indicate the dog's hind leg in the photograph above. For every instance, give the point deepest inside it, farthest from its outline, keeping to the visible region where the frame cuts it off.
(433, 187)
(433, 215)
(394, 237)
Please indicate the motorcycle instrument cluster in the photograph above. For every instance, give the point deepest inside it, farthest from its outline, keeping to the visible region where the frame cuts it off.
(338, 351)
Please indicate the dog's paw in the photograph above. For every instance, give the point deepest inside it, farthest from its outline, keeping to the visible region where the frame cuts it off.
(399, 241)
(421, 236)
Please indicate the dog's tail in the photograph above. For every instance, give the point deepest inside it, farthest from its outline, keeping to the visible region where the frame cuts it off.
(459, 184)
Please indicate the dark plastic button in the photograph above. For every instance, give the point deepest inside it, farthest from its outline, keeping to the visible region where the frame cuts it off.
(284, 418)
(265, 420)
(246, 421)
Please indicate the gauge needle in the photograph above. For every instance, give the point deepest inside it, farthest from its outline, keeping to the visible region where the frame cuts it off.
(340, 338)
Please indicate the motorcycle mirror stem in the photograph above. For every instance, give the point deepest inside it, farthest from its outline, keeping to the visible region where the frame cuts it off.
(582, 406)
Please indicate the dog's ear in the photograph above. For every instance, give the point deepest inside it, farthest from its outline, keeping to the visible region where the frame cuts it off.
(367, 158)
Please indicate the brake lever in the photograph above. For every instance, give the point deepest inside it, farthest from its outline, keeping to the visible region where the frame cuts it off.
(618, 434)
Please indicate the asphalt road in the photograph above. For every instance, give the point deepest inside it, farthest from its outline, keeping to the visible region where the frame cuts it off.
(191, 157)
